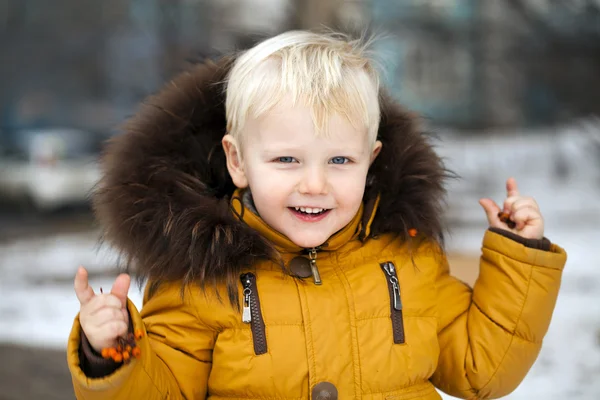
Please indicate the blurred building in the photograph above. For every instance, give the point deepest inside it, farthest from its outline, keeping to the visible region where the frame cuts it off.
(463, 63)
(479, 64)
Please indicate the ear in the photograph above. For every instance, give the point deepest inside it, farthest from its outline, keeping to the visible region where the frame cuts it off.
(376, 150)
(235, 166)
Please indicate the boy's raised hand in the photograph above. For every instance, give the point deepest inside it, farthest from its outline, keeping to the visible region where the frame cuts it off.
(103, 317)
(523, 211)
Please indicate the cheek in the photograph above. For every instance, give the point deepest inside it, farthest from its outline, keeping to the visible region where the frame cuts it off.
(264, 178)
(349, 188)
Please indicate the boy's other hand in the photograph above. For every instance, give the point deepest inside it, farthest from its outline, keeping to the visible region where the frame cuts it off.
(524, 212)
(103, 317)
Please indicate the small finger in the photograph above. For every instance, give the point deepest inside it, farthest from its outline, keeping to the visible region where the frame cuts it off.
(121, 287)
(491, 211)
(511, 187)
(508, 203)
(83, 290)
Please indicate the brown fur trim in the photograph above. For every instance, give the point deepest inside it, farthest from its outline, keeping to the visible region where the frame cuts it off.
(410, 177)
(163, 200)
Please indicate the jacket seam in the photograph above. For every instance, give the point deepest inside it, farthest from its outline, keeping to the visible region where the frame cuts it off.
(512, 339)
(528, 262)
(244, 328)
(308, 329)
(453, 321)
(354, 334)
(531, 263)
(503, 328)
(254, 398)
(444, 262)
(154, 383)
(405, 317)
(492, 320)
(411, 388)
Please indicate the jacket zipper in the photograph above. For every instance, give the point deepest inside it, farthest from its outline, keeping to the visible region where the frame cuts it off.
(251, 313)
(395, 301)
(312, 255)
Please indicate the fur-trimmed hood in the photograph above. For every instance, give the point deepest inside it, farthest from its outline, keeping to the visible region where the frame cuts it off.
(164, 199)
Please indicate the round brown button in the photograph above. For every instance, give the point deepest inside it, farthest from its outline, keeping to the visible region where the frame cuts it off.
(300, 267)
(324, 391)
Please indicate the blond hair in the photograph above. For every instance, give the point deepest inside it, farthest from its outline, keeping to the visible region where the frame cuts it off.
(328, 73)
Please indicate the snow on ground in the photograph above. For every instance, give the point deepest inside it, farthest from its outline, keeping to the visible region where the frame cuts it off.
(38, 305)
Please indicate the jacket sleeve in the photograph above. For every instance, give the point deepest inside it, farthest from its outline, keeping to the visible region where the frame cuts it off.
(491, 335)
(176, 353)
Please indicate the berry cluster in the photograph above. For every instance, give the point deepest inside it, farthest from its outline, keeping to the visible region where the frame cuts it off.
(505, 217)
(126, 348)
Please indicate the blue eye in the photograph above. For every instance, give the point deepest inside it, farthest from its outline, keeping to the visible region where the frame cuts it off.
(285, 160)
(339, 160)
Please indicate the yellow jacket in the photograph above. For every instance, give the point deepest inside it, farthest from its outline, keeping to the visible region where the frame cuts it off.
(386, 322)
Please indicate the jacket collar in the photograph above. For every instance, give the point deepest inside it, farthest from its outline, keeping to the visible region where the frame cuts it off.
(281, 242)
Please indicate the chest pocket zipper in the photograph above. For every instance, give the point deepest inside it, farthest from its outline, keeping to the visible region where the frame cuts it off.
(251, 313)
(395, 301)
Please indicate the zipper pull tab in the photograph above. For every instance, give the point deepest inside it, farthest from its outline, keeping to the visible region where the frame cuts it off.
(389, 268)
(391, 271)
(313, 266)
(396, 290)
(246, 314)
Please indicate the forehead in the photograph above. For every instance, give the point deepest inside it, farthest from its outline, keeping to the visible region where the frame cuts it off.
(293, 125)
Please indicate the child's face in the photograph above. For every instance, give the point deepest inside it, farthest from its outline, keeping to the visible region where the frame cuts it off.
(305, 186)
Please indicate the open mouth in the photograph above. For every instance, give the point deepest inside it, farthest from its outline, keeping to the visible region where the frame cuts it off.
(309, 210)
(309, 214)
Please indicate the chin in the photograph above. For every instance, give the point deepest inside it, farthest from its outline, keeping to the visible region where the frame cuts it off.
(308, 243)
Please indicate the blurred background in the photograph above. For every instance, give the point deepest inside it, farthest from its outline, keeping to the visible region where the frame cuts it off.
(511, 88)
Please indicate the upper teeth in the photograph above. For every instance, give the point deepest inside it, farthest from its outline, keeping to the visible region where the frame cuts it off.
(310, 210)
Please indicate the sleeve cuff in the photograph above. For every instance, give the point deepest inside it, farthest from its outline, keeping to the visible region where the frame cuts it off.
(538, 244)
(92, 363)
(555, 258)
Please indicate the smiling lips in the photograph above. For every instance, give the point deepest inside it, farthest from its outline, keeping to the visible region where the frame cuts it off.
(310, 210)
(310, 214)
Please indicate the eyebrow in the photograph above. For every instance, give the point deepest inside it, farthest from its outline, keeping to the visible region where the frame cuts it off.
(294, 150)
(275, 149)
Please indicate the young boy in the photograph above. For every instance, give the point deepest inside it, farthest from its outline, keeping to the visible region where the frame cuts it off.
(290, 232)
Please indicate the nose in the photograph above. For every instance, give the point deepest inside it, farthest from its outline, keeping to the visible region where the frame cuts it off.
(314, 181)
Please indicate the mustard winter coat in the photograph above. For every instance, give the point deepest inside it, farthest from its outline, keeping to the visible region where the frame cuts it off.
(234, 310)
